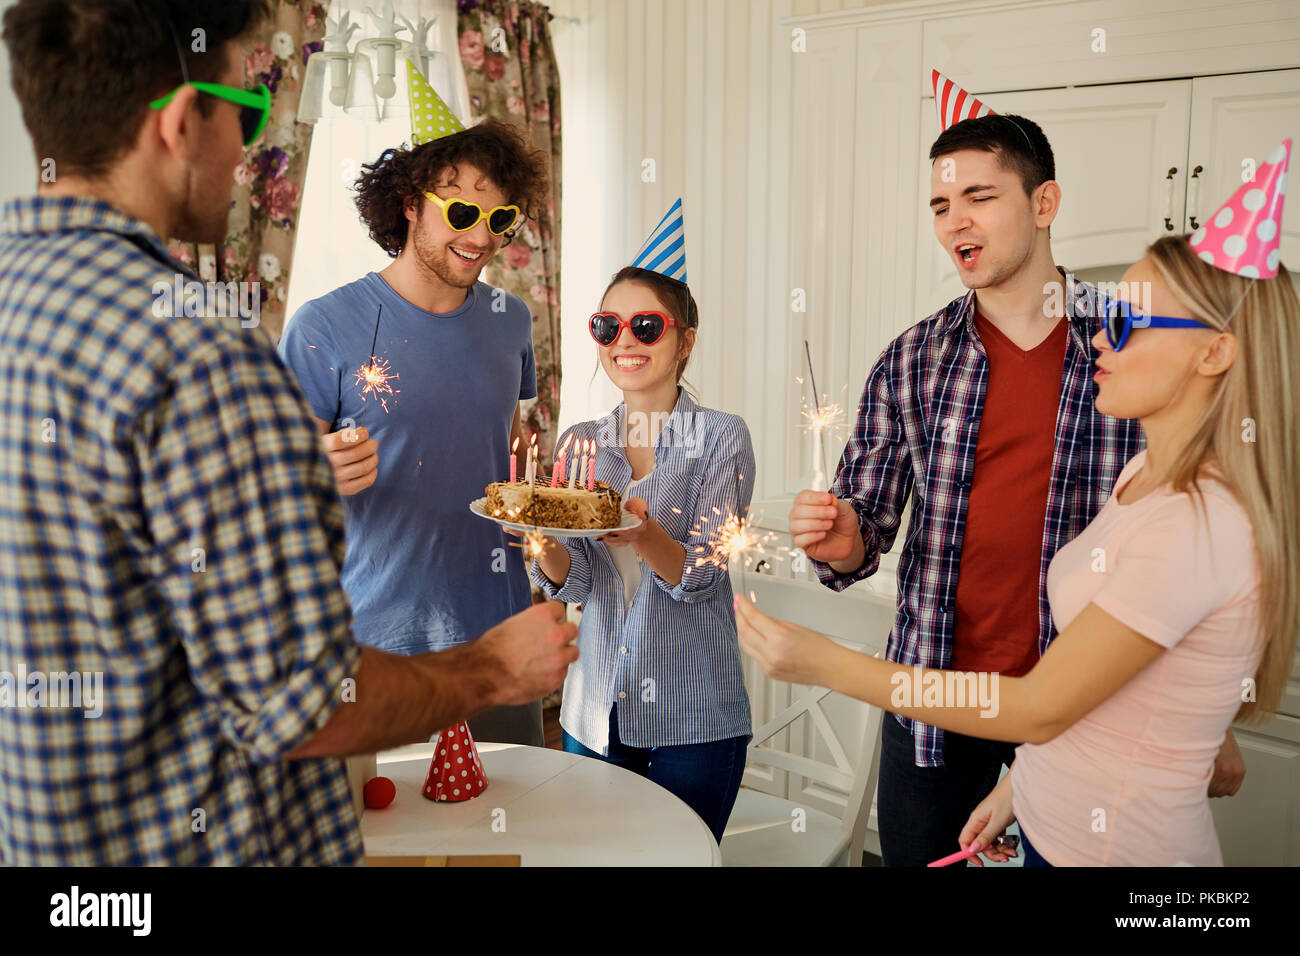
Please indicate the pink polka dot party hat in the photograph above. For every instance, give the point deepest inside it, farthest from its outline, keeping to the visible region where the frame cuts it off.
(1244, 236)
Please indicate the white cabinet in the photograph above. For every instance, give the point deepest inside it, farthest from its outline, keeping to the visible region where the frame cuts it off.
(1260, 826)
(1236, 122)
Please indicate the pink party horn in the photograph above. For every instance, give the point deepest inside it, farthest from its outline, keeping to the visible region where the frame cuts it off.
(952, 858)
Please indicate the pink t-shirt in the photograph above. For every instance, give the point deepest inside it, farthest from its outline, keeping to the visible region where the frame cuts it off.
(1126, 784)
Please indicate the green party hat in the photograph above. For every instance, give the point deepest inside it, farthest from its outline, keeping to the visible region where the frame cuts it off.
(431, 118)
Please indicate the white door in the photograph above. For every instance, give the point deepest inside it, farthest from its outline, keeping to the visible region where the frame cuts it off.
(1121, 160)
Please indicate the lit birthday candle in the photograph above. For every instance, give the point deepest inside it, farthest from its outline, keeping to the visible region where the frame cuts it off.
(591, 468)
(532, 466)
(580, 450)
(514, 462)
(557, 470)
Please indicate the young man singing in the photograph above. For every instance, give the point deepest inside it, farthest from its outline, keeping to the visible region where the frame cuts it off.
(983, 414)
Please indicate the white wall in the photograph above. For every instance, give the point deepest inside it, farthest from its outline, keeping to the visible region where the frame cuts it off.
(701, 87)
(18, 169)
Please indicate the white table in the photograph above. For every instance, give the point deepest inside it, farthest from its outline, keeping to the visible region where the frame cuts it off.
(560, 809)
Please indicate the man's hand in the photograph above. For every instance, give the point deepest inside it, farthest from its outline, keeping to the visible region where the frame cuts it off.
(826, 528)
(1229, 769)
(354, 456)
(530, 653)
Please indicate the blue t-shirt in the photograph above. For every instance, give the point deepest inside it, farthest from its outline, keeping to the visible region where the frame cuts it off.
(422, 573)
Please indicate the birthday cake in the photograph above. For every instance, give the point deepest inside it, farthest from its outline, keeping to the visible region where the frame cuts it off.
(559, 507)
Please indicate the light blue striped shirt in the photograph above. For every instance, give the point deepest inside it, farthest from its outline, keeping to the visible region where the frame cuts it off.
(671, 660)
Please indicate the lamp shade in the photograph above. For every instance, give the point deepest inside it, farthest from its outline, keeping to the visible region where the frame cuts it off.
(325, 87)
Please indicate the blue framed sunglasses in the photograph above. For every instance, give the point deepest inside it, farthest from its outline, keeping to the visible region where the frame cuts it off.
(1121, 320)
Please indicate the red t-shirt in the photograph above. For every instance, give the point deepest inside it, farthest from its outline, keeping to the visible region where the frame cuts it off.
(996, 627)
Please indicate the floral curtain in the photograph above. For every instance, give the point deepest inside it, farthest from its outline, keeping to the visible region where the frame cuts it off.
(268, 184)
(505, 47)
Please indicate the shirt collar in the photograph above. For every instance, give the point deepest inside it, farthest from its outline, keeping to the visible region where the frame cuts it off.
(679, 424)
(45, 215)
(1080, 308)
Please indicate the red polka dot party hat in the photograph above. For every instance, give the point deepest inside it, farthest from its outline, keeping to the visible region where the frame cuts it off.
(456, 772)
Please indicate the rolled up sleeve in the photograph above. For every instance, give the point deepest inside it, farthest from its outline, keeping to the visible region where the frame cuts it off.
(725, 489)
(248, 543)
(577, 586)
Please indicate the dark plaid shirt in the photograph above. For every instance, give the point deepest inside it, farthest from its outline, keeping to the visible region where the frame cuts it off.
(168, 522)
(916, 432)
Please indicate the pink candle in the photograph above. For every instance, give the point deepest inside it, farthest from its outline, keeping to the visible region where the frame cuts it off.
(514, 462)
(591, 468)
(557, 470)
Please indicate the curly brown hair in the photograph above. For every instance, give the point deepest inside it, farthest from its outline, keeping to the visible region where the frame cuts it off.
(499, 149)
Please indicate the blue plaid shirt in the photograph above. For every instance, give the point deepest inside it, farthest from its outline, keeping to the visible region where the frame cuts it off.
(917, 427)
(169, 526)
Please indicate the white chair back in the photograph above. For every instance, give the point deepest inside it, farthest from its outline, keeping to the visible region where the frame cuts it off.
(835, 768)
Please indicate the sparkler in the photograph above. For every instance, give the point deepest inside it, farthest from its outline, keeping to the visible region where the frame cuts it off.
(374, 378)
(821, 419)
(734, 537)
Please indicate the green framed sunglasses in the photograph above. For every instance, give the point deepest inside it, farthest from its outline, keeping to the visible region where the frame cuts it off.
(254, 105)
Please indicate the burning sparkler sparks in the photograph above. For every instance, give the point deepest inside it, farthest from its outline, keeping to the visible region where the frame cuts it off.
(824, 420)
(375, 377)
(735, 538)
(825, 417)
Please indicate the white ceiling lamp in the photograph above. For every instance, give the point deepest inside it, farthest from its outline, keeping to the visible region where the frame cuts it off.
(325, 88)
(373, 75)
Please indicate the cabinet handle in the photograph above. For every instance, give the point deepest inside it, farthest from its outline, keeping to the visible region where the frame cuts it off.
(1169, 198)
(1194, 187)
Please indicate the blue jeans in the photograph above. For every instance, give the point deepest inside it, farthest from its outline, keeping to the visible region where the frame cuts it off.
(1032, 856)
(706, 777)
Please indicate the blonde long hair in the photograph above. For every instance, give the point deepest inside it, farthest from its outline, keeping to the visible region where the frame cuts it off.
(1262, 386)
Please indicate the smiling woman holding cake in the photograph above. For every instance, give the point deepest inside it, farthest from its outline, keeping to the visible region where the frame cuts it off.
(657, 687)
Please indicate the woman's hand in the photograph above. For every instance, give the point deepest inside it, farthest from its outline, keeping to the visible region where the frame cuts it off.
(786, 651)
(988, 821)
(665, 555)
(1229, 768)
(636, 537)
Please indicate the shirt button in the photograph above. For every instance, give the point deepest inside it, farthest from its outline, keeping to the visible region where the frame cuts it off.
(622, 650)
(622, 694)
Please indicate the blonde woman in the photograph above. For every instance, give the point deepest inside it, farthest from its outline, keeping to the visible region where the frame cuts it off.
(1177, 607)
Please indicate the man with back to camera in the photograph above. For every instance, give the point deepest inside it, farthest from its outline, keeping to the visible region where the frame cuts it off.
(987, 408)
(131, 440)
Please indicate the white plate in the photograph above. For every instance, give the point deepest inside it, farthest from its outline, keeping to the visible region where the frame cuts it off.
(629, 521)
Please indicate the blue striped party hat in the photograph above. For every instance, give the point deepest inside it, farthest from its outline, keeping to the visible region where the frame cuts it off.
(665, 251)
